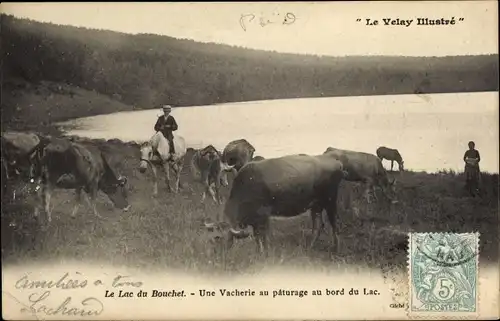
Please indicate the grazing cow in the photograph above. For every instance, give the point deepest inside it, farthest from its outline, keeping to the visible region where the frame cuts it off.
(365, 168)
(69, 165)
(391, 155)
(21, 154)
(287, 186)
(156, 152)
(207, 166)
(237, 153)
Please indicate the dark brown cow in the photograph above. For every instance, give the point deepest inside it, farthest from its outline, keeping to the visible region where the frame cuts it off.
(21, 154)
(286, 186)
(70, 165)
(365, 168)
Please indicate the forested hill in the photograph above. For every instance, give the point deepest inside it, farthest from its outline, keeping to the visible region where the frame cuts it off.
(146, 70)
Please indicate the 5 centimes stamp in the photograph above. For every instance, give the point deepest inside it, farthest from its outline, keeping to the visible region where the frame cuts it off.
(443, 274)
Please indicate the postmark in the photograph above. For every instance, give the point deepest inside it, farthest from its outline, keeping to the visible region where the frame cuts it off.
(443, 275)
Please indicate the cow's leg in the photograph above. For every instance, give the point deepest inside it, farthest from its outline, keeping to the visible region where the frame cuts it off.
(39, 202)
(392, 165)
(78, 200)
(94, 188)
(261, 233)
(317, 224)
(206, 185)
(216, 195)
(206, 189)
(47, 193)
(211, 191)
(204, 182)
(331, 211)
(178, 173)
(223, 178)
(175, 169)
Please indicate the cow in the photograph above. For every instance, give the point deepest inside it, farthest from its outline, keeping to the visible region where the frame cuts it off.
(391, 155)
(156, 152)
(207, 166)
(281, 187)
(21, 167)
(70, 165)
(21, 154)
(237, 153)
(365, 168)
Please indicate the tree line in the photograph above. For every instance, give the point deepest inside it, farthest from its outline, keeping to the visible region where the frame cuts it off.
(147, 70)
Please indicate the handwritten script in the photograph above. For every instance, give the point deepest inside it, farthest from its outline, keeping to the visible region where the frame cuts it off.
(263, 20)
(88, 307)
(41, 299)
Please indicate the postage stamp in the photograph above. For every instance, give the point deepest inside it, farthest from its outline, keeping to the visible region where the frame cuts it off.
(443, 274)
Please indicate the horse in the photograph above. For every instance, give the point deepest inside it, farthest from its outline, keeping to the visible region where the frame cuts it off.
(156, 152)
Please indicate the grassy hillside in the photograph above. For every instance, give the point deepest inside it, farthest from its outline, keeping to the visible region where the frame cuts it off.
(166, 231)
(35, 106)
(147, 70)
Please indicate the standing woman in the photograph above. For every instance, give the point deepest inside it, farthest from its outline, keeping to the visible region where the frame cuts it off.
(472, 171)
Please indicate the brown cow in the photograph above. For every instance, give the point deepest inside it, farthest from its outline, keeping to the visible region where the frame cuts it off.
(207, 166)
(69, 165)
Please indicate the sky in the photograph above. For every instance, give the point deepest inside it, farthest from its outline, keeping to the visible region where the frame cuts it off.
(320, 28)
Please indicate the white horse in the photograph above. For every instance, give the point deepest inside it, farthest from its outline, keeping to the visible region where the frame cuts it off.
(156, 152)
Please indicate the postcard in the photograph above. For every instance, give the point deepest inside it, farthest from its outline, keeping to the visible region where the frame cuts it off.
(250, 161)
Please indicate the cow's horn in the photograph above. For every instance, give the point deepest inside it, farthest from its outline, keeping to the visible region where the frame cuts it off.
(209, 225)
(239, 233)
(227, 167)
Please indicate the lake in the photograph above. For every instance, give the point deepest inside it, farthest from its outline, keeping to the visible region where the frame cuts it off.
(430, 131)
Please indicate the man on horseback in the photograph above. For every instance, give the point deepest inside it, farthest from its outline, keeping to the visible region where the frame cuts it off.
(166, 124)
(471, 159)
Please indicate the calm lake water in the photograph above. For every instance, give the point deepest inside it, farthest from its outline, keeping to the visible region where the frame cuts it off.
(430, 131)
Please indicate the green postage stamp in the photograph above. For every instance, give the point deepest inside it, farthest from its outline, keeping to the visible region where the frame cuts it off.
(443, 274)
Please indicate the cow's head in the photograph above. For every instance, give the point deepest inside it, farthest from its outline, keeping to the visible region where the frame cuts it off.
(210, 153)
(223, 234)
(146, 156)
(401, 166)
(23, 166)
(116, 190)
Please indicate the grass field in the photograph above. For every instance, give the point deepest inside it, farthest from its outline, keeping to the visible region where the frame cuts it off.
(166, 231)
